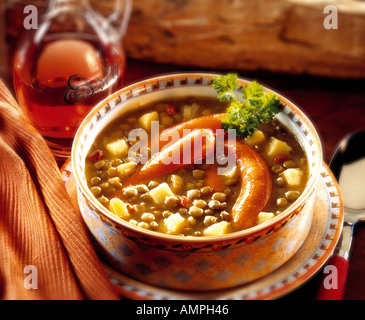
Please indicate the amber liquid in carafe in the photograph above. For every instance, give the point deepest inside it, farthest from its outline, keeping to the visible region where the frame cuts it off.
(70, 75)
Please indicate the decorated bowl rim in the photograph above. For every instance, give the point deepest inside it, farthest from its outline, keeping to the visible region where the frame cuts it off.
(258, 229)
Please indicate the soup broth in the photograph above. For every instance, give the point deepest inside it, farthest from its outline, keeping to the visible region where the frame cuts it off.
(193, 200)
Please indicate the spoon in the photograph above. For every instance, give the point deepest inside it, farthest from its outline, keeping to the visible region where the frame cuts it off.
(348, 166)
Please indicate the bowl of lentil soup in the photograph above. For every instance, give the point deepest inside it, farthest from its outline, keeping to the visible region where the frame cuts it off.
(179, 224)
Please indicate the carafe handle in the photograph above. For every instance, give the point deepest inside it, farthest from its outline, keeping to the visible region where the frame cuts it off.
(120, 16)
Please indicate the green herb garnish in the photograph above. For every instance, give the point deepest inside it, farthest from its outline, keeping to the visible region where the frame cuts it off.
(256, 108)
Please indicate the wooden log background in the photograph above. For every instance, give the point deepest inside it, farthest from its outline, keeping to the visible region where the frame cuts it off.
(285, 36)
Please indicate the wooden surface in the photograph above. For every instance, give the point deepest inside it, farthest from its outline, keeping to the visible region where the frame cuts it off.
(337, 107)
(276, 35)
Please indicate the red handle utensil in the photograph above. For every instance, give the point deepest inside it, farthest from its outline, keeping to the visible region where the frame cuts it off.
(334, 279)
(348, 166)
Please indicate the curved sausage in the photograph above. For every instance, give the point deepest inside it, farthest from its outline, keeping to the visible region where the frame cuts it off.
(256, 186)
(256, 181)
(192, 148)
(212, 122)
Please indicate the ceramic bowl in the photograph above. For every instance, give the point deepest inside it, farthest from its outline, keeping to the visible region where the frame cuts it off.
(193, 263)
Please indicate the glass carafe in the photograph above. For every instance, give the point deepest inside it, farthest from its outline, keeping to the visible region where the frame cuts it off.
(66, 66)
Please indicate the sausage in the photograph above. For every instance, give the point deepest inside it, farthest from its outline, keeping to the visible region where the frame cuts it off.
(256, 186)
(179, 154)
(212, 122)
(256, 181)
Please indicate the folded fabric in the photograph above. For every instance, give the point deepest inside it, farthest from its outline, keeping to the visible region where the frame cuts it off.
(45, 252)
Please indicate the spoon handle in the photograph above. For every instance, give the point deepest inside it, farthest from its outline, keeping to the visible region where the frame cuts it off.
(334, 279)
(335, 271)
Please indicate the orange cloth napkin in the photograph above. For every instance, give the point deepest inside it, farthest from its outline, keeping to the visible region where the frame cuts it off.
(45, 252)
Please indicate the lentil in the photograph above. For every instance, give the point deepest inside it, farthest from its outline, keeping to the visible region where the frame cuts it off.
(143, 225)
(214, 204)
(200, 203)
(183, 211)
(153, 184)
(130, 192)
(280, 182)
(115, 181)
(206, 191)
(208, 211)
(142, 188)
(103, 199)
(209, 220)
(171, 201)
(133, 222)
(289, 164)
(147, 217)
(192, 220)
(277, 168)
(195, 211)
(198, 174)
(95, 180)
(292, 195)
(225, 216)
(166, 214)
(154, 225)
(219, 196)
(96, 191)
(282, 202)
(193, 194)
(99, 164)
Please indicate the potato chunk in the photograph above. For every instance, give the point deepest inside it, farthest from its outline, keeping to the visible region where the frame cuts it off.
(119, 208)
(126, 169)
(217, 229)
(264, 216)
(278, 148)
(175, 223)
(190, 112)
(160, 193)
(146, 119)
(177, 183)
(293, 176)
(118, 148)
(256, 138)
(230, 172)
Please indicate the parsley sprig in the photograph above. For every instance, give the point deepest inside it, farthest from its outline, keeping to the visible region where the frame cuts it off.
(256, 108)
